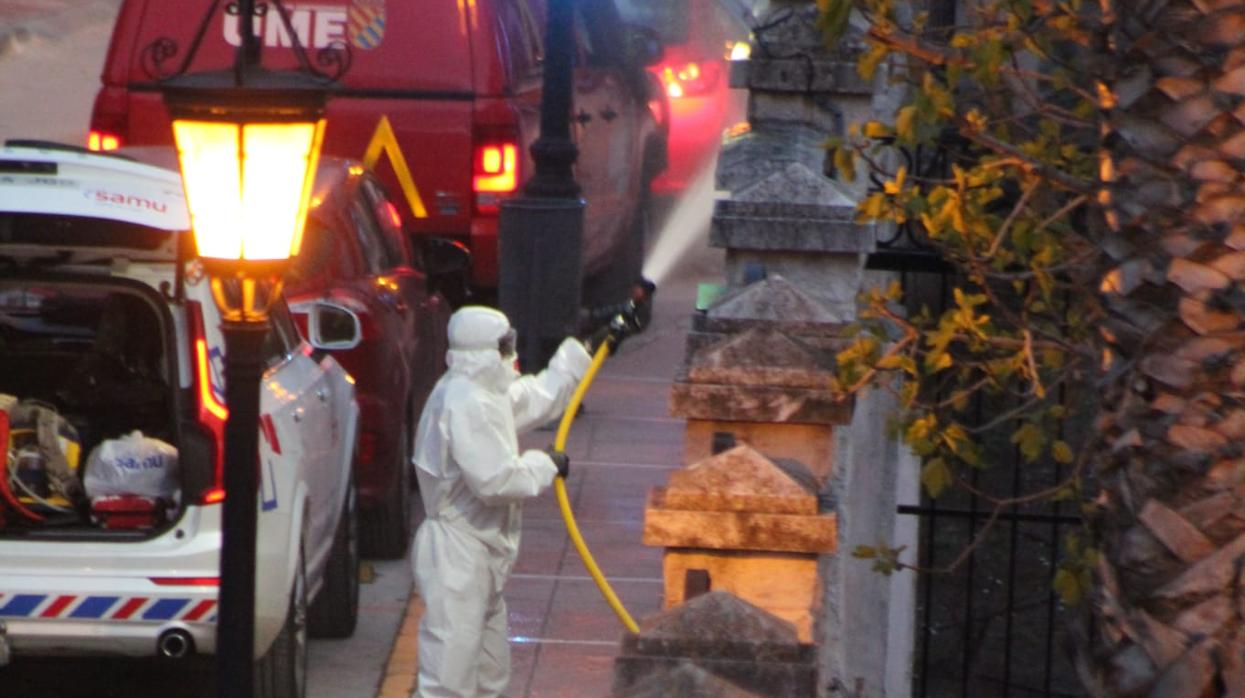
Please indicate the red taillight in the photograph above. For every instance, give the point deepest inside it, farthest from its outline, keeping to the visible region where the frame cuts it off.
(690, 79)
(211, 413)
(495, 168)
(108, 120)
(102, 140)
(186, 581)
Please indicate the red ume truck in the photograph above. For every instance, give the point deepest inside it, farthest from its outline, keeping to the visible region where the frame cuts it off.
(459, 82)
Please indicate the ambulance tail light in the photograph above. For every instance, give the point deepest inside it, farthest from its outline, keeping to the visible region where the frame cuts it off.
(211, 414)
(108, 120)
(494, 167)
(185, 581)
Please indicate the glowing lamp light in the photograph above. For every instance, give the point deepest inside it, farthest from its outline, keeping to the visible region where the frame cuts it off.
(248, 185)
(248, 182)
(248, 151)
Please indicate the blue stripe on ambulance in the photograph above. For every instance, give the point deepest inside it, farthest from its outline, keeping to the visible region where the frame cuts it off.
(164, 609)
(22, 605)
(94, 607)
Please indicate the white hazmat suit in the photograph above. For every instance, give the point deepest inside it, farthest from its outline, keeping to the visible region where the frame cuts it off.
(473, 481)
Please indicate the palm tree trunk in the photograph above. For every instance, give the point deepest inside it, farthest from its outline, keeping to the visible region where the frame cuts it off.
(1167, 608)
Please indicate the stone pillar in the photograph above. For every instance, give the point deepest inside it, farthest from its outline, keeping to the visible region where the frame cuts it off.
(758, 368)
(795, 336)
(781, 213)
(742, 523)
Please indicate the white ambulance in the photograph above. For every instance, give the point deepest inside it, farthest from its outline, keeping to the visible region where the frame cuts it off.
(105, 320)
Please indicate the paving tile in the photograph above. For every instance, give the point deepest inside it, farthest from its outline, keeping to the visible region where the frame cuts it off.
(527, 601)
(617, 548)
(580, 612)
(522, 666)
(626, 441)
(614, 495)
(629, 396)
(604, 506)
(571, 671)
(622, 478)
(541, 546)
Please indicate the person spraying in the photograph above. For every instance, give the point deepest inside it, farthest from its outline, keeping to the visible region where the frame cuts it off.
(473, 480)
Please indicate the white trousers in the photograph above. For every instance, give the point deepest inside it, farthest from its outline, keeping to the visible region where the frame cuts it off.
(463, 646)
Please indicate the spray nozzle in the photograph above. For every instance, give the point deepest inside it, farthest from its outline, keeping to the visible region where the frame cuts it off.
(614, 323)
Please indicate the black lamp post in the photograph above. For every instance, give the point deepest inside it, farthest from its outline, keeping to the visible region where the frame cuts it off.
(248, 140)
(541, 232)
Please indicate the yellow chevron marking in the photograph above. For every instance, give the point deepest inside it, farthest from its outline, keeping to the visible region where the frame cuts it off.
(384, 141)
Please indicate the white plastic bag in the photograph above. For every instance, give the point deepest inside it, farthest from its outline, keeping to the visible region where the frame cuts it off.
(132, 464)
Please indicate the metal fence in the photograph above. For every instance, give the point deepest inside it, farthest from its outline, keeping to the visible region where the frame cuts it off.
(993, 626)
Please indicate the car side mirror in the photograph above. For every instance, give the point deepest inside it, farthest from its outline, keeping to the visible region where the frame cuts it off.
(446, 263)
(643, 46)
(332, 327)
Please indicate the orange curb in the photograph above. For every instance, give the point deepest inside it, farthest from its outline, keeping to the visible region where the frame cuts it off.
(403, 667)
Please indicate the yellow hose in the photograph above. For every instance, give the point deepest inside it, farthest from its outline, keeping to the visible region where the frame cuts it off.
(564, 502)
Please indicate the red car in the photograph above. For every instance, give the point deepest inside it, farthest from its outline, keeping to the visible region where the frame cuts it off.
(699, 37)
(459, 82)
(356, 256)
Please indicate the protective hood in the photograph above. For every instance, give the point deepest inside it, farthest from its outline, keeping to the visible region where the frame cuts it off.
(477, 327)
(483, 366)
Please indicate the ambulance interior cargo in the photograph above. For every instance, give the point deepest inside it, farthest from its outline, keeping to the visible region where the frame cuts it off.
(89, 398)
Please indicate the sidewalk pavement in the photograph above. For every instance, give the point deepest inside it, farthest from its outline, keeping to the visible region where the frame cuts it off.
(563, 636)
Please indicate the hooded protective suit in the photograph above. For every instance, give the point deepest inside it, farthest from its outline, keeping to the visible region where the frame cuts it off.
(473, 481)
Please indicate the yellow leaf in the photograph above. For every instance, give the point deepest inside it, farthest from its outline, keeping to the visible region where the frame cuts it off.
(936, 477)
(1061, 452)
(905, 123)
(877, 129)
(895, 186)
(887, 363)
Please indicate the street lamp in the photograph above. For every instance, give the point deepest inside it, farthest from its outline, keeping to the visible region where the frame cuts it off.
(541, 233)
(248, 140)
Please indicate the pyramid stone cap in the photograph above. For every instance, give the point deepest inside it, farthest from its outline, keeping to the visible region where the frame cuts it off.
(719, 616)
(762, 356)
(740, 479)
(772, 298)
(686, 680)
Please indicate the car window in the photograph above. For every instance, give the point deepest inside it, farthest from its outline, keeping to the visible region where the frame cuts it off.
(55, 230)
(315, 255)
(598, 26)
(523, 58)
(371, 241)
(283, 324)
(393, 238)
(534, 26)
